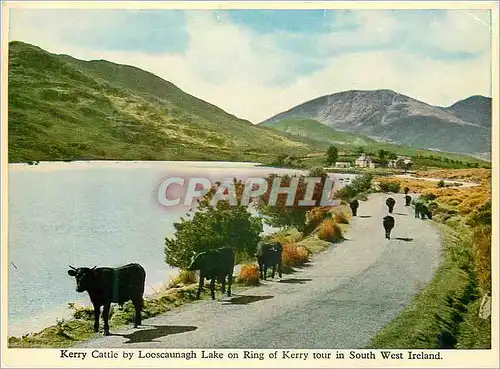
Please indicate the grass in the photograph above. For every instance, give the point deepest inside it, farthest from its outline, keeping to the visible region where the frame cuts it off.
(61, 108)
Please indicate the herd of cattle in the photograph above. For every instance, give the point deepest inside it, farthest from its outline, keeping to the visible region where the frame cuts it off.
(126, 283)
(421, 210)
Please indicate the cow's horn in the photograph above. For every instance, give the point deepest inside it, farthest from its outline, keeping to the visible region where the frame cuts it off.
(72, 267)
(94, 267)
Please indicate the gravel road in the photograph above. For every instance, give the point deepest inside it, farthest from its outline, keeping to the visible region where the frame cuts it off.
(341, 300)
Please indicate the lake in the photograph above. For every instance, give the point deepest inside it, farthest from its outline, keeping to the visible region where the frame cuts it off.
(91, 213)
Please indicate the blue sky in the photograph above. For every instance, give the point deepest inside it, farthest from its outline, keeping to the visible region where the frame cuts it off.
(287, 56)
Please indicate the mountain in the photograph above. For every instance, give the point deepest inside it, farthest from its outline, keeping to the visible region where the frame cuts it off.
(465, 127)
(475, 109)
(62, 108)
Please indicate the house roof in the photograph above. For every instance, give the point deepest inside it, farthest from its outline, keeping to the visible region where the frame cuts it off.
(364, 157)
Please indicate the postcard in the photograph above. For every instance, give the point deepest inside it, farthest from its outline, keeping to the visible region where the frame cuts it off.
(250, 184)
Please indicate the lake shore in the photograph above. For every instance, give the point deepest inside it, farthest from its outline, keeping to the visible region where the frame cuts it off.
(74, 207)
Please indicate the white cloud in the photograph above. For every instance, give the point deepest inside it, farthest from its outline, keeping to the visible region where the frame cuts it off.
(461, 30)
(231, 67)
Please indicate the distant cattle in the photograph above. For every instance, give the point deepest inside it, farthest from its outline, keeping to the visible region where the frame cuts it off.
(269, 255)
(407, 200)
(425, 212)
(406, 189)
(106, 285)
(354, 207)
(422, 211)
(390, 202)
(214, 264)
(388, 224)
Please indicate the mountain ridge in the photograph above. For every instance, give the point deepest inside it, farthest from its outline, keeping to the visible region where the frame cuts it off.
(63, 108)
(386, 114)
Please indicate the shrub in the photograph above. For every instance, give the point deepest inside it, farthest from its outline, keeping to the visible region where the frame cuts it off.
(284, 236)
(428, 196)
(389, 186)
(184, 277)
(481, 239)
(295, 255)
(208, 229)
(314, 218)
(249, 275)
(329, 231)
(358, 185)
(340, 218)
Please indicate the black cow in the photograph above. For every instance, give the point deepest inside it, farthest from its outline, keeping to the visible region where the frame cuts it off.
(269, 255)
(418, 205)
(214, 264)
(354, 207)
(388, 226)
(390, 202)
(425, 212)
(407, 200)
(106, 285)
(406, 189)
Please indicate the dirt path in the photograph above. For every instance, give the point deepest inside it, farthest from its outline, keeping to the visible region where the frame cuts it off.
(347, 294)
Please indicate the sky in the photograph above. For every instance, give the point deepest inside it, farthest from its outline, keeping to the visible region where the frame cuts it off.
(257, 63)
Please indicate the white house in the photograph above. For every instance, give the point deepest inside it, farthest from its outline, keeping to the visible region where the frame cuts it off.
(342, 164)
(363, 161)
(402, 162)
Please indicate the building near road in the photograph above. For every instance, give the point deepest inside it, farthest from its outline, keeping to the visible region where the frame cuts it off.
(342, 164)
(364, 161)
(401, 162)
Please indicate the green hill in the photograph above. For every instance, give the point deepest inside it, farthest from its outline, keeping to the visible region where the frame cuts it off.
(349, 142)
(61, 108)
(312, 129)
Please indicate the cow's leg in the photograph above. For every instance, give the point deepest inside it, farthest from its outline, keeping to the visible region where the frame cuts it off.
(265, 271)
(223, 288)
(97, 313)
(274, 269)
(212, 288)
(105, 317)
(200, 285)
(229, 282)
(138, 308)
(279, 269)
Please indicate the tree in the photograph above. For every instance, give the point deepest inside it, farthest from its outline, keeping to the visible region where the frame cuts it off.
(382, 156)
(212, 227)
(332, 155)
(282, 214)
(359, 150)
(391, 156)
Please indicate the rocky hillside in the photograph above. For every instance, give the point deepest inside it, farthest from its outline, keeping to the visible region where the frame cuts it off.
(465, 127)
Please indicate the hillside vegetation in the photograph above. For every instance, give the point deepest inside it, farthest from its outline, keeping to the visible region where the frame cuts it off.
(61, 108)
(350, 143)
